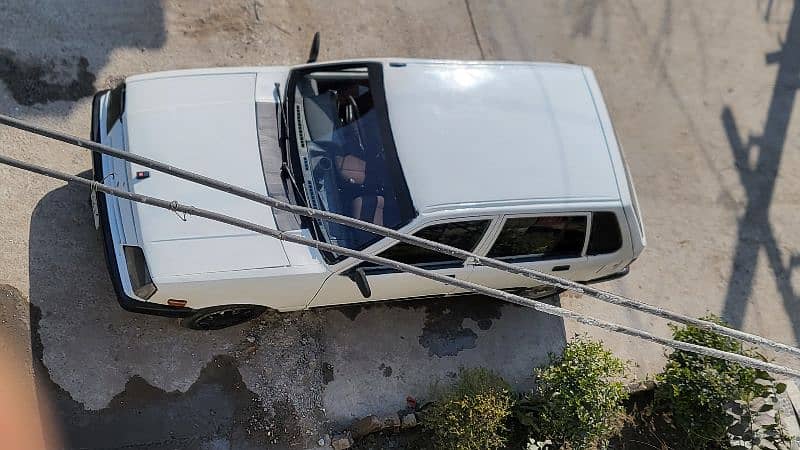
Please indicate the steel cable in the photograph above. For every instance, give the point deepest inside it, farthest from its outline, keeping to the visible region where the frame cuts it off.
(324, 246)
(541, 277)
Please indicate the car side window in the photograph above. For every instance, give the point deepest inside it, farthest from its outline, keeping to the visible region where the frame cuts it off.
(605, 236)
(464, 235)
(546, 237)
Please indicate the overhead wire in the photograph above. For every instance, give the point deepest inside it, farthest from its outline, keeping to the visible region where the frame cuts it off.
(538, 276)
(477, 288)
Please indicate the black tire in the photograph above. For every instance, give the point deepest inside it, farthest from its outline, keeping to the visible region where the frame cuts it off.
(223, 316)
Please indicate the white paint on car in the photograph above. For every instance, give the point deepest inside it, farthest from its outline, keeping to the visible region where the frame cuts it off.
(490, 140)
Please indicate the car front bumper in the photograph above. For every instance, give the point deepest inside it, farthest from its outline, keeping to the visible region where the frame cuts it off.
(111, 241)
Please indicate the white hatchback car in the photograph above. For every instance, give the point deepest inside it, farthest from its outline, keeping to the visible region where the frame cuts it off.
(517, 161)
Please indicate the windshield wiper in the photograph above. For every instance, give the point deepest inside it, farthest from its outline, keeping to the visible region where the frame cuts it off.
(286, 167)
(287, 173)
(315, 224)
(283, 127)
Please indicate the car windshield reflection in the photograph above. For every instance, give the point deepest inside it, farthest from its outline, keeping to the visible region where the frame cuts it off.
(342, 154)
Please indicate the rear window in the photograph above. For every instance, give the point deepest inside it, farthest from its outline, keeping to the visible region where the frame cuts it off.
(464, 235)
(605, 236)
(548, 237)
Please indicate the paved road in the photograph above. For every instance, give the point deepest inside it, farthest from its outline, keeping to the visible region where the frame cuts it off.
(702, 100)
(702, 103)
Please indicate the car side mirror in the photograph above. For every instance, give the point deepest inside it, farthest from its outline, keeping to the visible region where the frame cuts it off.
(312, 55)
(360, 279)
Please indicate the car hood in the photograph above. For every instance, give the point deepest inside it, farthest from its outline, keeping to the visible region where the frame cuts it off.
(204, 123)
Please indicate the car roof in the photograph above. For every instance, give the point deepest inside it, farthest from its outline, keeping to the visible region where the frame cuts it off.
(470, 134)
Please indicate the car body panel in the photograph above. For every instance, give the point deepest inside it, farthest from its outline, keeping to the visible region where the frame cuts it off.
(390, 284)
(475, 139)
(582, 268)
(283, 289)
(478, 133)
(208, 124)
(622, 174)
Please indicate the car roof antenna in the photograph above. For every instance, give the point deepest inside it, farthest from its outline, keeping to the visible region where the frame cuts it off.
(312, 55)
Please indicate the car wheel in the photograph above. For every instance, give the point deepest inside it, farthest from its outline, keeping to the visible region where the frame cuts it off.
(218, 317)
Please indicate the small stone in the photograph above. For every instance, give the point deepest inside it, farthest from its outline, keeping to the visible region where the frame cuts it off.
(409, 421)
(391, 422)
(251, 339)
(365, 426)
(321, 442)
(341, 442)
(641, 386)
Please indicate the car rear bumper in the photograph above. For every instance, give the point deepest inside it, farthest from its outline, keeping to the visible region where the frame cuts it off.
(110, 241)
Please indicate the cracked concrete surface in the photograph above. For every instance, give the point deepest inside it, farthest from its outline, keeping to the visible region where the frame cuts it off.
(404, 349)
(668, 70)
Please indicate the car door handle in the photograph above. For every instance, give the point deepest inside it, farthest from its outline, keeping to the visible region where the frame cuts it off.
(560, 268)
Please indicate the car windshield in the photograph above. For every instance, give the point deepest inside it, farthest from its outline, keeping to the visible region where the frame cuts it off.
(345, 165)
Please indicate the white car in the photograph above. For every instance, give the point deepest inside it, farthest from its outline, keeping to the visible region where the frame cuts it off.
(514, 160)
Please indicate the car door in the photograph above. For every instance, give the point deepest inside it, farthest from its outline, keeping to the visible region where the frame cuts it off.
(554, 243)
(387, 283)
(609, 250)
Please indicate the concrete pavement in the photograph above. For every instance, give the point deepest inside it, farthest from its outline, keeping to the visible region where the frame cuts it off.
(701, 103)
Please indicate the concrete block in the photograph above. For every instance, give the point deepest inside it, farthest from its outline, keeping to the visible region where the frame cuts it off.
(391, 422)
(409, 421)
(365, 426)
(341, 442)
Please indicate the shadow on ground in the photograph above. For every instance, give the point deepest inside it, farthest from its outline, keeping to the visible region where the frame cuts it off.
(51, 51)
(755, 231)
(117, 379)
(74, 312)
(377, 355)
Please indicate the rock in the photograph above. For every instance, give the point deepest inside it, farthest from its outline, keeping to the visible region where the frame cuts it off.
(251, 339)
(365, 426)
(409, 421)
(341, 442)
(391, 422)
(641, 386)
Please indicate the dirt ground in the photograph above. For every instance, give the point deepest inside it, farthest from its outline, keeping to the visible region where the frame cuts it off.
(702, 99)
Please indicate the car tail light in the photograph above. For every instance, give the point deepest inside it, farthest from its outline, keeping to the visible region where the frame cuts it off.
(138, 272)
(176, 302)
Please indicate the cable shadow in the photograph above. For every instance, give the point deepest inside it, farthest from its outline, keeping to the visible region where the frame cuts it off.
(758, 179)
